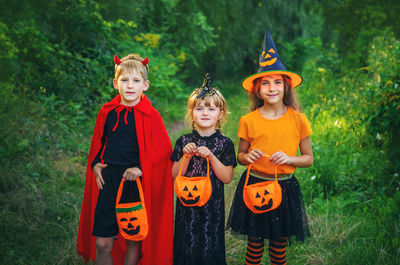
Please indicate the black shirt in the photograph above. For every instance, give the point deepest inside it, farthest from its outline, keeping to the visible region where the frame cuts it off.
(119, 142)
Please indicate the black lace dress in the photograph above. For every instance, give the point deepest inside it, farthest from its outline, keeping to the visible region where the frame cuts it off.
(199, 236)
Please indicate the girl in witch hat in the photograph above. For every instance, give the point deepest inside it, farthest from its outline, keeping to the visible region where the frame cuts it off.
(270, 136)
(199, 234)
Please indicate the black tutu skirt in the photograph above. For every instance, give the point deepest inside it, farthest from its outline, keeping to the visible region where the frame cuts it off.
(288, 220)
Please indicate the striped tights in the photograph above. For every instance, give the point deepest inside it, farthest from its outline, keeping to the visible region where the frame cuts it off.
(255, 251)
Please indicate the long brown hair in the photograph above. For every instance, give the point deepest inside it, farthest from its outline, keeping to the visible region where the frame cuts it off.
(289, 97)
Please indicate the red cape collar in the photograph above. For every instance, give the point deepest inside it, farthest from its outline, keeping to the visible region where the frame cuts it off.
(143, 106)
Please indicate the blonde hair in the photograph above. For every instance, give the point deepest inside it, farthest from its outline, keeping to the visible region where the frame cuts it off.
(131, 63)
(219, 102)
(289, 97)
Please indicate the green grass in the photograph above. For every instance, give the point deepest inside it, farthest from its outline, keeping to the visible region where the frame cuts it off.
(39, 220)
(340, 236)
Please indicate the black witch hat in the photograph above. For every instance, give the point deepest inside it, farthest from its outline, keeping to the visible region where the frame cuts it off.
(270, 64)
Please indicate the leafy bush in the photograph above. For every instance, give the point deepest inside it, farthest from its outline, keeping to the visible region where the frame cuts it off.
(354, 182)
(70, 54)
(354, 116)
(43, 145)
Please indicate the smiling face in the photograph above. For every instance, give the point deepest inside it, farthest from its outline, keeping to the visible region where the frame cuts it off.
(272, 89)
(205, 116)
(130, 86)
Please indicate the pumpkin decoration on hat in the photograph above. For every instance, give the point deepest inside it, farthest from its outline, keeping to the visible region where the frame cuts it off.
(270, 64)
(268, 58)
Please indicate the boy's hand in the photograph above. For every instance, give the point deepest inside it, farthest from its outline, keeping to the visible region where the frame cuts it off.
(253, 156)
(204, 152)
(99, 177)
(132, 173)
(281, 158)
(190, 150)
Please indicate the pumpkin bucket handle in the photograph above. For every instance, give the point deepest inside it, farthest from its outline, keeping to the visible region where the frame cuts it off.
(139, 185)
(248, 172)
(208, 166)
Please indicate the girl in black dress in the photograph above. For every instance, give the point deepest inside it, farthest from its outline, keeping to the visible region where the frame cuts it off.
(199, 236)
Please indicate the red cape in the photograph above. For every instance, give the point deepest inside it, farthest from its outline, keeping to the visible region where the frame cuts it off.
(155, 151)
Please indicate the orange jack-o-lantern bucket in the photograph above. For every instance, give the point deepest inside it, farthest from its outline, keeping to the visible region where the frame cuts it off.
(132, 216)
(195, 191)
(264, 196)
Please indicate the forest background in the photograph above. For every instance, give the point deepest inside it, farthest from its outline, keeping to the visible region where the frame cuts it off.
(56, 71)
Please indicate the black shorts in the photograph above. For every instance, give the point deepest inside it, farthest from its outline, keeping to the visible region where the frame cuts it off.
(105, 219)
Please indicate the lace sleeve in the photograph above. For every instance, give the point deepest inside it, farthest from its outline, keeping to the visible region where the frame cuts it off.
(229, 155)
(178, 150)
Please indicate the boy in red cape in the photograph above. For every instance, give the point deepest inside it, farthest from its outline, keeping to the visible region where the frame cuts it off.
(130, 141)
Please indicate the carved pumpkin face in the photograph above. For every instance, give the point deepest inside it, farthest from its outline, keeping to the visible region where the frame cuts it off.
(128, 226)
(269, 57)
(194, 191)
(129, 220)
(262, 196)
(132, 216)
(263, 201)
(191, 194)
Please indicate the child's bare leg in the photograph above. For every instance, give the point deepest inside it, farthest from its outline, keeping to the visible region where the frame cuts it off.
(132, 252)
(104, 247)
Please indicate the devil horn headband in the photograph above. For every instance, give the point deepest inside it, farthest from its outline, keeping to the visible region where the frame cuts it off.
(145, 61)
(117, 61)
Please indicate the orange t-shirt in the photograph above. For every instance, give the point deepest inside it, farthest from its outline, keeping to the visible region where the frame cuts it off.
(269, 136)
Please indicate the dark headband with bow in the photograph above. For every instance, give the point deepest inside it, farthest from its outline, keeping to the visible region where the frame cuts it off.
(206, 88)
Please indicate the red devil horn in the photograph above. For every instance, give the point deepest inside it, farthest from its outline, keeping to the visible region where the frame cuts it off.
(145, 61)
(117, 61)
